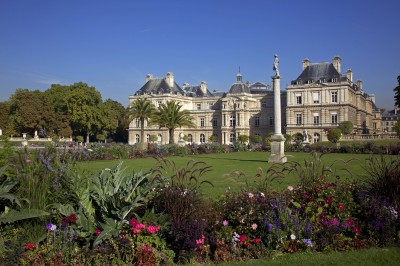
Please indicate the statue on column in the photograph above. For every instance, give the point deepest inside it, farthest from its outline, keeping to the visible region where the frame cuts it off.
(275, 67)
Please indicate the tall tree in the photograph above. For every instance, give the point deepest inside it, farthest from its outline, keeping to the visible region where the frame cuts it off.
(171, 116)
(4, 116)
(58, 95)
(143, 110)
(31, 111)
(83, 105)
(115, 113)
(397, 93)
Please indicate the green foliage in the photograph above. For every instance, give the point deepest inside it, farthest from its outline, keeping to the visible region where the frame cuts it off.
(213, 139)
(79, 138)
(171, 116)
(142, 109)
(397, 93)
(346, 127)
(334, 134)
(100, 137)
(255, 139)
(397, 128)
(153, 138)
(243, 138)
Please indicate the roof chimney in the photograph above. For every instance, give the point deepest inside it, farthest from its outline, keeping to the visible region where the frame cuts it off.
(169, 78)
(336, 63)
(306, 63)
(149, 77)
(203, 87)
(349, 75)
(359, 84)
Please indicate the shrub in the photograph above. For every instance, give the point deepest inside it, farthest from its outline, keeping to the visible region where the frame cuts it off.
(334, 135)
(346, 127)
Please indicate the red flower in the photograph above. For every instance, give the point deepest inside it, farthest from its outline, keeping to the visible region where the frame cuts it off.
(71, 219)
(257, 240)
(30, 246)
(328, 200)
(356, 230)
(242, 239)
(321, 177)
(258, 175)
(97, 232)
(340, 206)
(350, 222)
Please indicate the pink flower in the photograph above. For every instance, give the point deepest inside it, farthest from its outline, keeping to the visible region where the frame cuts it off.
(135, 230)
(225, 223)
(290, 188)
(152, 229)
(97, 232)
(340, 206)
(257, 240)
(254, 226)
(242, 239)
(328, 200)
(350, 222)
(200, 241)
(356, 230)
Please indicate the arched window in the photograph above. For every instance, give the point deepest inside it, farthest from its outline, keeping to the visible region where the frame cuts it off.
(159, 139)
(190, 138)
(202, 138)
(137, 138)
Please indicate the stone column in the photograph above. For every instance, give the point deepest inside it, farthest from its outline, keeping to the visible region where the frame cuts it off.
(277, 140)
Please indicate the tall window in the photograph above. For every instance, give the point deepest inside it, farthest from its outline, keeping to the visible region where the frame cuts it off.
(148, 137)
(210, 106)
(159, 138)
(202, 122)
(256, 121)
(137, 138)
(232, 121)
(334, 118)
(202, 138)
(190, 138)
(215, 122)
(316, 118)
(299, 100)
(271, 121)
(137, 122)
(334, 96)
(315, 96)
(232, 138)
(299, 119)
(264, 104)
(198, 106)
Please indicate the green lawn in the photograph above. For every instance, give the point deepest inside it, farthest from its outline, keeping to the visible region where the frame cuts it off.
(226, 166)
(366, 257)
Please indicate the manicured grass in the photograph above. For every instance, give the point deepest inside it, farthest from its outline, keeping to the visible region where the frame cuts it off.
(225, 168)
(366, 257)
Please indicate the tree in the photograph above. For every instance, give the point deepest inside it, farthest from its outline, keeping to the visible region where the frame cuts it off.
(116, 113)
(346, 127)
(255, 139)
(397, 128)
(143, 110)
(83, 107)
(31, 111)
(334, 135)
(243, 138)
(4, 116)
(397, 93)
(171, 116)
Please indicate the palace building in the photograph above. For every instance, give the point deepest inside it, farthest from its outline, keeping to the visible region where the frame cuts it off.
(319, 99)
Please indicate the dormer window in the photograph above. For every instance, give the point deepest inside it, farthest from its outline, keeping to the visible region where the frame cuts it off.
(322, 80)
(309, 81)
(299, 82)
(334, 80)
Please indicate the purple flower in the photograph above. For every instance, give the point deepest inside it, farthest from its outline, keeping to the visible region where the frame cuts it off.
(308, 242)
(225, 223)
(51, 227)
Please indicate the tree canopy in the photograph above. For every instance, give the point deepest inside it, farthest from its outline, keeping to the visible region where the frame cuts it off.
(170, 116)
(346, 127)
(143, 110)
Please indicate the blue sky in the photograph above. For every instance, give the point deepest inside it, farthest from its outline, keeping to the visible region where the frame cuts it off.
(112, 45)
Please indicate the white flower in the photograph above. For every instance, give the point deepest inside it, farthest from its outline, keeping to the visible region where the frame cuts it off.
(262, 194)
(251, 195)
(292, 236)
(254, 226)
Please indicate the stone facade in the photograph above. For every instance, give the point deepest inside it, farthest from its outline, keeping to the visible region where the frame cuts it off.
(321, 97)
(389, 119)
(246, 109)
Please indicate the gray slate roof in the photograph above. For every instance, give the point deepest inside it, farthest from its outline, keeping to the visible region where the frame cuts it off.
(195, 91)
(159, 86)
(239, 88)
(317, 72)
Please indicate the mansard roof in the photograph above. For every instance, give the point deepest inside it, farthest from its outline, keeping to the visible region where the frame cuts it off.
(159, 86)
(319, 71)
(195, 91)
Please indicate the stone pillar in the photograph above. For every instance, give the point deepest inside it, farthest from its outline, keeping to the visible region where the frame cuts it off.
(277, 140)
